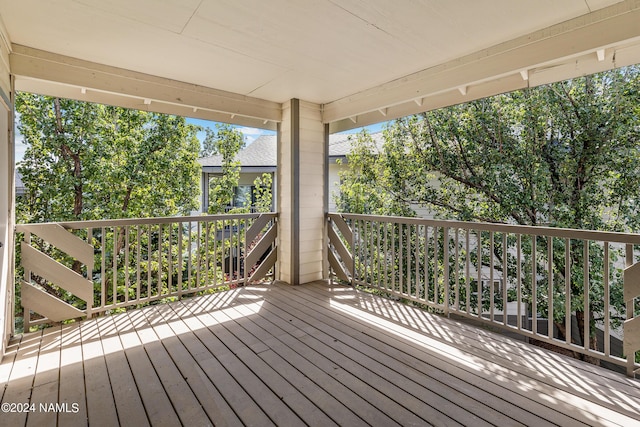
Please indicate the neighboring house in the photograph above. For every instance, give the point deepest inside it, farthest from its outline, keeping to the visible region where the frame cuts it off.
(261, 156)
(20, 189)
(257, 158)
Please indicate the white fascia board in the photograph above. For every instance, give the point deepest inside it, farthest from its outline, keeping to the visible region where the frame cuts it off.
(606, 28)
(111, 81)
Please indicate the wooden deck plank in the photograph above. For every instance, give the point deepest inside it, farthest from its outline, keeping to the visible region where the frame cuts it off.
(554, 373)
(325, 402)
(21, 376)
(357, 383)
(154, 398)
(309, 355)
(7, 362)
(459, 407)
(206, 349)
(187, 406)
(127, 400)
(502, 372)
(205, 391)
(101, 406)
(72, 392)
(441, 367)
(503, 346)
(46, 383)
(249, 354)
(331, 385)
(268, 401)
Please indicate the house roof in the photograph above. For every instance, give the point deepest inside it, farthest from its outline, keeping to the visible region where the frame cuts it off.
(262, 153)
(363, 62)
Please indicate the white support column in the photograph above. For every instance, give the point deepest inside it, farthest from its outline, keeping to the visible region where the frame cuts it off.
(300, 193)
(7, 195)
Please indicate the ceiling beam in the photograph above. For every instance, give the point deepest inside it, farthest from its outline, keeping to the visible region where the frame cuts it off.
(40, 72)
(603, 29)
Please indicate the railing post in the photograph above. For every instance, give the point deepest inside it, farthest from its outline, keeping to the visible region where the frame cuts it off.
(26, 311)
(445, 266)
(631, 291)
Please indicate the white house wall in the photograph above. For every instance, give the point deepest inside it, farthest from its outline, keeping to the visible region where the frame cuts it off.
(301, 157)
(6, 196)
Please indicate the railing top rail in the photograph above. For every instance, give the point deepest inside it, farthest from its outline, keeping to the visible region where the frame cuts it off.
(75, 225)
(567, 233)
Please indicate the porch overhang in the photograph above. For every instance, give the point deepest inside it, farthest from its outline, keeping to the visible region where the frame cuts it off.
(357, 82)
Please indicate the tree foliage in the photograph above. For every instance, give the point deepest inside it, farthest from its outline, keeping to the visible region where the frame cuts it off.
(226, 142)
(88, 161)
(560, 155)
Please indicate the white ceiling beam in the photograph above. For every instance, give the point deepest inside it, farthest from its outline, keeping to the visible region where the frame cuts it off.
(603, 28)
(452, 97)
(47, 66)
(73, 92)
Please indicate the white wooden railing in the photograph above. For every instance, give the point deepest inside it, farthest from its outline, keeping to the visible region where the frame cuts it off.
(78, 269)
(512, 277)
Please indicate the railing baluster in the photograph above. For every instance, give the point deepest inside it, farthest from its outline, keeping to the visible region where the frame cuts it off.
(567, 290)
(408, 274)
(416, 266)
(401, 258)
(138, 262)
(207, 232)
(436, 290)
(456, 269)
(534, 290)
(519, 280)
(445, 263)
(159, 284)
(149, 255)
(170, 260)
(239, 252)
(189, 256)
(550, 287)
(378, 254)
(505, 300)
(114, 262)
(479, 272)
(127, 279)
(607, 333)
(198, 255)
(426, 263)
(385, 252)
(180, 261)
(103, 268)
(587, 316)
(491, 275)
(467, 275)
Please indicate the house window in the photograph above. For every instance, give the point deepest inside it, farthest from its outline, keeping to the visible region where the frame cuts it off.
(243, 196)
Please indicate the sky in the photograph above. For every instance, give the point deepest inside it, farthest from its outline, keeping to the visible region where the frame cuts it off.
(250, 134)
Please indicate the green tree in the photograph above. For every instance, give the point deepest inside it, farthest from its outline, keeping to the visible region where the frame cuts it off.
(262, 192)
(561, 155)
(226, 142)
(88, 161)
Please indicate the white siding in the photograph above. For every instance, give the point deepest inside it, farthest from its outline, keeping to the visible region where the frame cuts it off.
(6, 200)
(311, 205)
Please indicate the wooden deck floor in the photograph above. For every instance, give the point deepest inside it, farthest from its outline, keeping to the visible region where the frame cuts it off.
(308, 355)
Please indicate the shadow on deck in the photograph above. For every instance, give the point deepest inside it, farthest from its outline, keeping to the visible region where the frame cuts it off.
(309, 355)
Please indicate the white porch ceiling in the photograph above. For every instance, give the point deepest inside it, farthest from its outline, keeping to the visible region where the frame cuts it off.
(364, 60)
